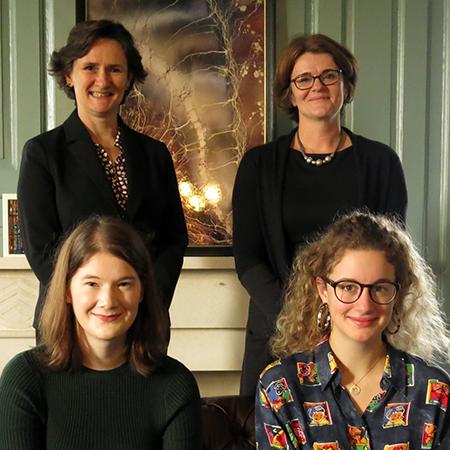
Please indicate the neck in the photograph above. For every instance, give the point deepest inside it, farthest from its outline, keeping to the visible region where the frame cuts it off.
(103, 355)
(103, 130)
(355, 359)
(319, 136)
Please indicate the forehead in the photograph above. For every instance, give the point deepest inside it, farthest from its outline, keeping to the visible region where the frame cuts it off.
(313, 63)
(363, 265)
(105, 265)
(105, 48)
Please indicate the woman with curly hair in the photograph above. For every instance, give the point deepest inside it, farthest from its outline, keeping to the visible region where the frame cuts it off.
(360, 337)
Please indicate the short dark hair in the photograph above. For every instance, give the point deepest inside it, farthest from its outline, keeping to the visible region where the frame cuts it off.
(314, 43)
(81, 38)
(148, 336)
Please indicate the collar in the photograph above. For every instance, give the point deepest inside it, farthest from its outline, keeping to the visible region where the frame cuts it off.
(395, 368)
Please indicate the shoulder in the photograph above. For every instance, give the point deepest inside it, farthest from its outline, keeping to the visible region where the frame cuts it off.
(425, 370)
(23, 372)
(269, 148)
(284, 367)
(372, 149)
(45, 141)
(175, 375)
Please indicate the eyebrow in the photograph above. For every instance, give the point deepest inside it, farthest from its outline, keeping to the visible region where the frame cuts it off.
(309, 73)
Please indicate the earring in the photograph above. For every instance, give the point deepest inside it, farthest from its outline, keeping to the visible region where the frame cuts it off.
(323, 317)
(69, 84)
(396, 321)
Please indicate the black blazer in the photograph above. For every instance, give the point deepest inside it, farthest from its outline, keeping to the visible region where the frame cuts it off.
(62, 182)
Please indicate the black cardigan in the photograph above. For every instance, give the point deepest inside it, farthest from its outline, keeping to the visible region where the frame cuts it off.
(62, 182)
(261, 261)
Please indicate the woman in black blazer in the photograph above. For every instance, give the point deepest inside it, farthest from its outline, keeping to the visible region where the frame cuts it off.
(94, 164)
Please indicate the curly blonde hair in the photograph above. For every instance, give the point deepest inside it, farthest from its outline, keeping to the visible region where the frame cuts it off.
(417, 311)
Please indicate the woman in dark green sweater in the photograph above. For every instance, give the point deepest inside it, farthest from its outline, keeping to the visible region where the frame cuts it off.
(101, 379)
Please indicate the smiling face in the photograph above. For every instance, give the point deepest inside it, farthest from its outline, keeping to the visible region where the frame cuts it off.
(363, 321)
(320, 102)
(100, 79)
(105, 293)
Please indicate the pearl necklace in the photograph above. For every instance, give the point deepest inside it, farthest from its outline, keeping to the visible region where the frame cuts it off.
(355, 388)
(318, 161)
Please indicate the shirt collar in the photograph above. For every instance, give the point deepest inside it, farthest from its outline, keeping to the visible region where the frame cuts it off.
(395, 372)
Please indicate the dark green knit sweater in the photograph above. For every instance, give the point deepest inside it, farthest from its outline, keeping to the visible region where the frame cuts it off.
(98, 410)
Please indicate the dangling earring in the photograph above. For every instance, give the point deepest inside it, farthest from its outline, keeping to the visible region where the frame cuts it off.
(323, 317)
(396, 321)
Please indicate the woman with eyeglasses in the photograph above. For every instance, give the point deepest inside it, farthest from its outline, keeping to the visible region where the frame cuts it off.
(360, 338)
(288, 189)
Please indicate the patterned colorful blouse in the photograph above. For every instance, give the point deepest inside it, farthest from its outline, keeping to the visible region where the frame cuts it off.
(115, 171)
(301, 404)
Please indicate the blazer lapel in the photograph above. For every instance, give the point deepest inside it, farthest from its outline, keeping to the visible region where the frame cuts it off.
(137, 168)
(80, 144)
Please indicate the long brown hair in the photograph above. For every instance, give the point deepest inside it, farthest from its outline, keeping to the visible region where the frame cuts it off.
(417, 310)
(148, 336)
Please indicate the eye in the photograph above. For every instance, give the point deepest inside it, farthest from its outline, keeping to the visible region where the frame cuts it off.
(329, 75)
(91, 284)
(348, 287)
(89, 67)
(116, 69)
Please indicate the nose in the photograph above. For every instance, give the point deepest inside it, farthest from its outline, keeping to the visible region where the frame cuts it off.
(364, 301)
(317, 84)
(106, 297)
(102, 78)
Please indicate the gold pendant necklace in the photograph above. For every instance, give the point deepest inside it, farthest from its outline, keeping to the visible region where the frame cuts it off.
(354, 388)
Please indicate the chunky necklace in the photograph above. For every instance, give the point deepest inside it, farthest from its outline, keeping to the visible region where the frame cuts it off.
(318, 161)
(354, 388)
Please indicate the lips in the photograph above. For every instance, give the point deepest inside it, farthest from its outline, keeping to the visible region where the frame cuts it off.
(363, 321)
(107, 317)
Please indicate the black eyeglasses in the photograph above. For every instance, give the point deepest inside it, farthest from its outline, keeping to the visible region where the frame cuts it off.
(349, 291)
(327, 77)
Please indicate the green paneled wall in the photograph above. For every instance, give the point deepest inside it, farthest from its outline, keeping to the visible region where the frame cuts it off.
(402, 98)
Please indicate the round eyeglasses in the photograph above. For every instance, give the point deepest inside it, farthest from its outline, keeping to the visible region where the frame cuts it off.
(349, 291)
(327, 77)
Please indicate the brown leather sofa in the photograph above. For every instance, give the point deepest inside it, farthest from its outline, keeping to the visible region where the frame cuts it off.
(228, 423)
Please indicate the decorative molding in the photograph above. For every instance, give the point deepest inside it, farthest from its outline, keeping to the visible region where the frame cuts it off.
(445, 137)
(400, 77)
(348, 31)
(17, 302)
(2, 112)
(50, 44)
(13, 88)
(314, 16)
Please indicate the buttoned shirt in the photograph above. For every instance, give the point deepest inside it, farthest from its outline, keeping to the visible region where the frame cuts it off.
(301, 404)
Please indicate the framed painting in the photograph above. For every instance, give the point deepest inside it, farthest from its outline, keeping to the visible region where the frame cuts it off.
(206, 96)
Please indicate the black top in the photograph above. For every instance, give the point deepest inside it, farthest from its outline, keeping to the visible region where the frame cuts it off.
(260, 241)
(301, 404)
(98, 410)
(313, 196)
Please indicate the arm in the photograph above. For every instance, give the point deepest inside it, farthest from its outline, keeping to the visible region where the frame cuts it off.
(397, 196)
(22, 422)
(39, 223)
(173, 237)
(269, 431)
(183, 414)
(249, 247)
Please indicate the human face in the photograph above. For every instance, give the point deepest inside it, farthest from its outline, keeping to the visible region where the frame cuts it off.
(105, 293)
(363, 321)
(100, 79)
(320, 102)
